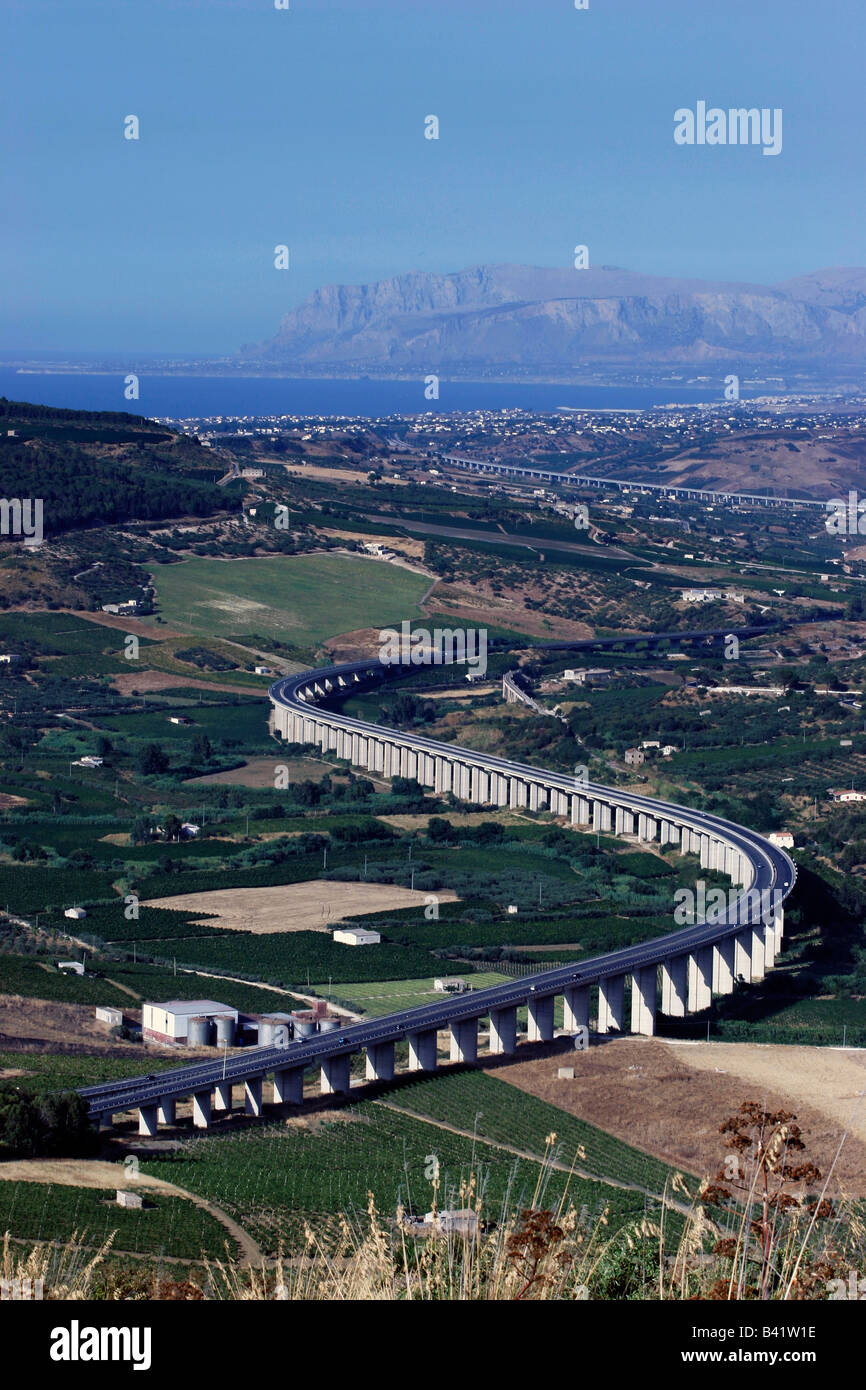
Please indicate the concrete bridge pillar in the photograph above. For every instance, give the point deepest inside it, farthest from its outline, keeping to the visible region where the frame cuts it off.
(253, 1095)
(443, 775)
(723, 966)
(336, 1074)
(462, 781)
(644, 1000)
(105, 1121)
(759, 958)
(769, 945)
(705, 851)
(148, 1122)
(380, 1061)
(464, 1040)
(534, 795)
(743, 956)
(518, 795)
(201, 1109)
(222, 1095)
(499, 796)
(422, 1050)
(503, 1030)
(601, 815)
(619, 820)
(675, 976)
(167, 1112)
(611, 992)
(575, 1008)
(540, 1018)
(479, 786)
(776, 929)
(700, 979)
(289, 1086)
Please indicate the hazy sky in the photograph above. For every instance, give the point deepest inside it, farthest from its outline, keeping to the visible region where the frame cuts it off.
(306, 127)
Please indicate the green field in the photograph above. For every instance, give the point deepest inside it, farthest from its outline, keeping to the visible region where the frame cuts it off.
(496, 1111)
(45, 1071)
(377, 997)
(301, 599)
(273, 1178)
(168, 1226)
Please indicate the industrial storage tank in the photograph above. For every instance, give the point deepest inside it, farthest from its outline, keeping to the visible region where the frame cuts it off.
(304, 1027)
(199, 1032)
(225, 1031)
(330, 1025)
(273, 1029)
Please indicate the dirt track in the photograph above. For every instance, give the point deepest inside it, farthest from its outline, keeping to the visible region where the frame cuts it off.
(81, 1172)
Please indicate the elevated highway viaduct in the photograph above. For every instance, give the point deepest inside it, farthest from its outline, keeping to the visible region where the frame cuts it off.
(675, 974)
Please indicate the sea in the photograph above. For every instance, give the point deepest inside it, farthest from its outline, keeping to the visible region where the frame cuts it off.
(183, 397)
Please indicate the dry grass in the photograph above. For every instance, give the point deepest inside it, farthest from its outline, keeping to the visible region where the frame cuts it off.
(666, 1098)
(829, 1081)
(259, 773)
(317, 905)
(52, 1022)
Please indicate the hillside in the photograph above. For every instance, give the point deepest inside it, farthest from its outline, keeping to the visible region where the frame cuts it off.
(92, 468)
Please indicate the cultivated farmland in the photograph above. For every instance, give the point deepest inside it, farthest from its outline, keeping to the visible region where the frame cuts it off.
(302, 599)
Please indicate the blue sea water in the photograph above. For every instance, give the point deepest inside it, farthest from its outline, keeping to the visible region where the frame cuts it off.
(183, 396)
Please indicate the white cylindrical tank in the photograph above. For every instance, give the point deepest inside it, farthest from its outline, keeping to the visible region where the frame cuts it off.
(199, 1032)
(225, 1032)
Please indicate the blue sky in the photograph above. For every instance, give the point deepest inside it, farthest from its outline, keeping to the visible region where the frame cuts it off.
(305, 127)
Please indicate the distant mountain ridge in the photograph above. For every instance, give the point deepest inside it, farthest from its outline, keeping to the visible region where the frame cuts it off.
(505, 317)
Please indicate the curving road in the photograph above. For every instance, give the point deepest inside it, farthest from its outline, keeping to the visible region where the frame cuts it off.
(767, 869)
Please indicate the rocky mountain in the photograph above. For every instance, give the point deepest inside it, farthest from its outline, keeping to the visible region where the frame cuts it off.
(540, 319)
